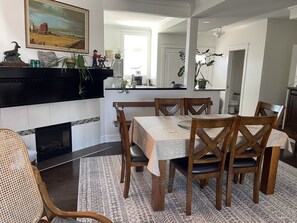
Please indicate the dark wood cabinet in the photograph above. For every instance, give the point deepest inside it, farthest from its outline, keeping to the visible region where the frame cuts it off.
(291, 114)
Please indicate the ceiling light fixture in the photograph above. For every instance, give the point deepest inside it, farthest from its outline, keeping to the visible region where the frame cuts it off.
(219, 32)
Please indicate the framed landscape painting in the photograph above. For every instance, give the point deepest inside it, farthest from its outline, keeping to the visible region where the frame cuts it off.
(52, 25)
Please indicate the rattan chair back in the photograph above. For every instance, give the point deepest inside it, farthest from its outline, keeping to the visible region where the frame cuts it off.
(19, 195)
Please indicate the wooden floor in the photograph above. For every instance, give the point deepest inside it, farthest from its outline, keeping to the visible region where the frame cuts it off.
(62, 180)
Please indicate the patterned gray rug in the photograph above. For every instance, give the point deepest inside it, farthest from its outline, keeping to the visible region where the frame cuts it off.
(100, 191)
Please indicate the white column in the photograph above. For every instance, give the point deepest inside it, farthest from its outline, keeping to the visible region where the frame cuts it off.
(191, 45)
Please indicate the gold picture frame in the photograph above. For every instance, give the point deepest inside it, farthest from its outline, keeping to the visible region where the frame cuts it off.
(52, 25)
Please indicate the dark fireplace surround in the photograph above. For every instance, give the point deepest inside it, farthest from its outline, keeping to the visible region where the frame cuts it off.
(28, 86)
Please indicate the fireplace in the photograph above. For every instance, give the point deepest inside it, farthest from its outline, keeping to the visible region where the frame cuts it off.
(52, 141)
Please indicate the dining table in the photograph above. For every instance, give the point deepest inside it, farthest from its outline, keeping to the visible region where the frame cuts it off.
(164, 138)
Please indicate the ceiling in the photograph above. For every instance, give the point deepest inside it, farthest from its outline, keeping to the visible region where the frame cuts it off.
(225, 13)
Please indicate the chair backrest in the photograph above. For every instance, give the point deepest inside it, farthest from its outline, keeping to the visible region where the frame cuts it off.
(214, 139)
(197, 106)
(169, 106)
(134, 108)
(250, 137)
(266, 109)
(123, 129)
(19, 194)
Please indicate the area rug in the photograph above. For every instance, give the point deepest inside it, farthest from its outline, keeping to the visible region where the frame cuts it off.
(100, 190)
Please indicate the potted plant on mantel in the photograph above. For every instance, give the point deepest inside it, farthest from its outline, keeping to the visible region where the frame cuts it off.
(207, 60)
(76, 61)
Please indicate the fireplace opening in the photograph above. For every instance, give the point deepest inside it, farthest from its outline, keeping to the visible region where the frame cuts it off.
(52, 141)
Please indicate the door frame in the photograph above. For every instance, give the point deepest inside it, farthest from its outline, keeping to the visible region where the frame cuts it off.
(161, 77)
(231, 48)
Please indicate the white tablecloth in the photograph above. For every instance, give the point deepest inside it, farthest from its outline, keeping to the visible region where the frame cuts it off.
(161, 138)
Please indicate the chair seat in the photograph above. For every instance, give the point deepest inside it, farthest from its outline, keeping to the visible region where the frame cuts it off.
(137, 154)
(197, 168)
(241, 163)
(248, 162)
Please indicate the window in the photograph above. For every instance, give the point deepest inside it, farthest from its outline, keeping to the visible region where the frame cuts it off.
(136, 53)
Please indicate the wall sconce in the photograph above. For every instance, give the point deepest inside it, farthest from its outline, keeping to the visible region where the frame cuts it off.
(219, 32)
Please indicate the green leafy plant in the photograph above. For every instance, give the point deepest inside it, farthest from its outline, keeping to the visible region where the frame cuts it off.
(206, 61)
(76, 61)
(118, 54)
(123, 85)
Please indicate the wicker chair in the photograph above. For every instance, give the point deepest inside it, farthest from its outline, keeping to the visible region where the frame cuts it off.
(23, 194)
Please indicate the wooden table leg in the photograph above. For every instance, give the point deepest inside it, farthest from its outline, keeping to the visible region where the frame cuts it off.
(269, 170)
(139, 169)
(158, 188)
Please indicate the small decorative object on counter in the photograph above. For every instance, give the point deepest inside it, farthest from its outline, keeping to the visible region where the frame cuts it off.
(176, 85)
(101, 60)
(95, 57)
(47, 59)
(35, 63)
(123, 84)
(12, 57)
(118, 55)
(32, 63)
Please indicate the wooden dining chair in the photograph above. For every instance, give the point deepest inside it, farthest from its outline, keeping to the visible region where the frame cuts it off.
(169, 106)
(132, 155)
(206, 159)
(247, 150)
(197, 106)
(23, 194)
(266, 109)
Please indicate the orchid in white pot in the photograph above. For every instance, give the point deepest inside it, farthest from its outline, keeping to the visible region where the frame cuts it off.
(204, 58)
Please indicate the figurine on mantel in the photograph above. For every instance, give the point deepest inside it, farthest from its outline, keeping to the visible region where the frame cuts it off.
(97, 57)
(101, 61)
(12, 57)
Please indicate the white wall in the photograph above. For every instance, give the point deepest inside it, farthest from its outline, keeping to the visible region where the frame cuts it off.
(12, 25)
(26, 117)
(269, 54)
(293, 68)
(112, 38)
(281, 36)
(204, 41)
(167, 41)
(253, 36)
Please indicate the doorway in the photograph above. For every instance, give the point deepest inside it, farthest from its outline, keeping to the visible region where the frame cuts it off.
(172, 63)
(235, 80)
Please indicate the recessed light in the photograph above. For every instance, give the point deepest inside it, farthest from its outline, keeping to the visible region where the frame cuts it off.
(206, 22)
